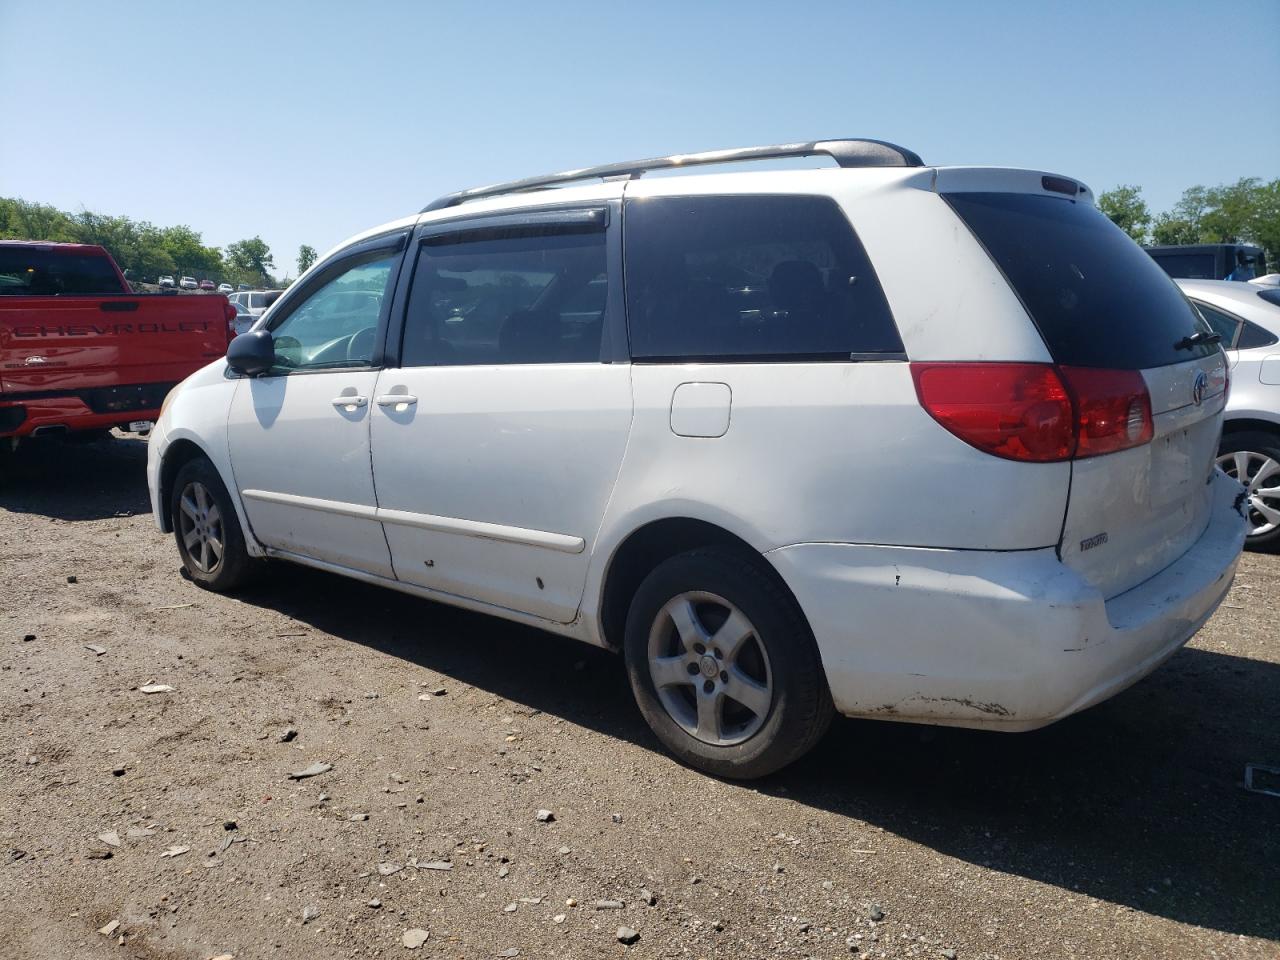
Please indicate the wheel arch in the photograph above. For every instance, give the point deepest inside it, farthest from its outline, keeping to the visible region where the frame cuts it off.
(176, 456)
(1245, 424)
(648, 545)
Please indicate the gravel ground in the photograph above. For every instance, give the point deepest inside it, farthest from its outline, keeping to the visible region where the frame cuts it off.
(1122, 832)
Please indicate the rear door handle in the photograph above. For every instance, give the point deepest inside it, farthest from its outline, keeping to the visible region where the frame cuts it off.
(395, 399)
(350, 401)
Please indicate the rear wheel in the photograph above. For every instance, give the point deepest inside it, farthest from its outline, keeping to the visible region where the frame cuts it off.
(724, 666)
(1253, 458)
(207, 529)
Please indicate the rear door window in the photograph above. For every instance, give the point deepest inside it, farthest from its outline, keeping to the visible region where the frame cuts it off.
(31, 272)
(508, 297)
(1097, 298)
(751, 278)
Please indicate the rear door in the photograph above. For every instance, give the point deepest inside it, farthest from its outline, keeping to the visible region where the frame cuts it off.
(1101, 304)
(497, 440)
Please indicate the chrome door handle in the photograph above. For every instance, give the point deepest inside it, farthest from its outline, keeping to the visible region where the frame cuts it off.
(395, 399)
(349, 401)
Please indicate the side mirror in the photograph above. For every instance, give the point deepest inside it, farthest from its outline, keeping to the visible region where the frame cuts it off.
(252, 354)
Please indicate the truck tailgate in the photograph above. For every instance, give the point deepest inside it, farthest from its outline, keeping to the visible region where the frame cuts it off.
(63, 344)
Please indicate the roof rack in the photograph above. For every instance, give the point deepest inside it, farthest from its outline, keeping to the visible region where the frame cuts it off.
(847, 153)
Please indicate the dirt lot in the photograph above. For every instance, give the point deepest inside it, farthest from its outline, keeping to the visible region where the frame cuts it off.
(1123, 832)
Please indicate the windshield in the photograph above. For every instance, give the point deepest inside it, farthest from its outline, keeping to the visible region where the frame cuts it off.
(32, 272)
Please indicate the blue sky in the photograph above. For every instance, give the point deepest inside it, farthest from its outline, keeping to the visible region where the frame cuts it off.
(307, 122)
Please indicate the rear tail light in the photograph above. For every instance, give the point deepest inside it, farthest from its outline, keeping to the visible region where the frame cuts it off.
(230, 313)
(1036, 412)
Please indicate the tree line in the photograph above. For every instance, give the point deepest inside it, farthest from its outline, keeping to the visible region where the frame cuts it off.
(1247, 211)
(144, 251)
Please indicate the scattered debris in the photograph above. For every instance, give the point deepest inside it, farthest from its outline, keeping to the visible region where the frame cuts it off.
(387, 869)
(110, 838)
(27, 638)
(95, 648)
(287, 734)
(627, 935)
(229, 825)
(71, 578)
(571, 902)
(173, 606)
(510, 908)
(564, 851)
(414, 938)
(948, 954)
(110, 928)
(875, 913)
(559, 918)
(433, 865)
(617, 818)
(510, 952)
(175, 851)
(156, 688)
(610, 905)
(117, 771)
(546, 816)
(314, 770)
(374, 904)
(358, 817)
(15, 854)
(503, 872)
(100, 854)
(310, 912)
(137, 833)
(649, 897)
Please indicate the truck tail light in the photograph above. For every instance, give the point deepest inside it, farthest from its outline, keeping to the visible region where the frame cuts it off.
(1036, 412)
(230, 313)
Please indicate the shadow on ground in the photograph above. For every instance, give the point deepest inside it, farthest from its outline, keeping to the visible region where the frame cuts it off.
(76, 481)
(1136, 802)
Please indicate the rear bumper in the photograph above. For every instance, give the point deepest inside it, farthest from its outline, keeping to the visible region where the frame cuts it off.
(1011, 640)
(25, 418)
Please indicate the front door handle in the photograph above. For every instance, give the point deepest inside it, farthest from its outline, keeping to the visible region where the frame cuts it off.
(352, 401)
(395, 399)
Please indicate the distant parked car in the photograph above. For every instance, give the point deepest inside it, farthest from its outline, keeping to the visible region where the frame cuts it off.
(244, 319)
(206, 285)
(256, 301)
(225, 288)
(188, 283)
(166, 281)
(1247, 316)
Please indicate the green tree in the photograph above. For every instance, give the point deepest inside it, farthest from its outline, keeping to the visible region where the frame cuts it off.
(23, 220)
(251, 259)
(1247, 211)
(1127, 210)
(306, 257)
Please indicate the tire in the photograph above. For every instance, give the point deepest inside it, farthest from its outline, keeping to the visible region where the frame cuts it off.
(766, 655)
(1256, 453)
(206, 522)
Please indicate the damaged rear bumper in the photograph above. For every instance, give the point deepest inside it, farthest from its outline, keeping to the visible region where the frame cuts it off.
(1005, 640)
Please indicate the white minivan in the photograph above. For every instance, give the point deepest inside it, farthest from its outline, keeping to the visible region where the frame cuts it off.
(929, 444)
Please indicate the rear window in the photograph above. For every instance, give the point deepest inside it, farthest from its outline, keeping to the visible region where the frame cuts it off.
(1097, 298)
(1188, 266)
(31, 272)
(750, 278)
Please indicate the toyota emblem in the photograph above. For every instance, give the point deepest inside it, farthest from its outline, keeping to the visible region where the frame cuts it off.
(1199, 387)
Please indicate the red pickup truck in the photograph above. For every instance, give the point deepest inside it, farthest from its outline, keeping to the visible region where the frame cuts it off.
(79, 351)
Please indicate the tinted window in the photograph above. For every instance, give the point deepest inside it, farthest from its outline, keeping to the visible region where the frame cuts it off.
(1189, 266)
(31, 272)
(1271, 295)
(516, 298)
(335, 325)
(751, 278)
(1252, 335)
(1097, 298)
(1223, 324)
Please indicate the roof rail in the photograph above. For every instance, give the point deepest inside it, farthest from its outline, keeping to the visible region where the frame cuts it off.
(847, 153)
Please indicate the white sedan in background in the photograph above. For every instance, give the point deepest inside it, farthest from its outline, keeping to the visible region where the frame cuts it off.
(1247, 315)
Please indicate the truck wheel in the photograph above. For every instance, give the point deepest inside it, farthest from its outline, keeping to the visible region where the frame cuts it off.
(723, 665)
(1253, 458)
(207, 529)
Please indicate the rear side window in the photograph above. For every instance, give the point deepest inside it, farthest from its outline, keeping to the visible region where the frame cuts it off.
(1096, 297)
(507, 299)
(1223, 324)
(1252, 335)
(28, 272)
(1189, 266)
(750, 278)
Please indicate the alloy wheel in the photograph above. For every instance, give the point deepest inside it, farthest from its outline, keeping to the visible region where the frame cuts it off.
(710, 669)
(1260, 474)
(200, 524)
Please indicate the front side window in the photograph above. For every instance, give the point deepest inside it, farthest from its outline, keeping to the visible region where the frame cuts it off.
(336, 325)
(505, 299)
(750, 278)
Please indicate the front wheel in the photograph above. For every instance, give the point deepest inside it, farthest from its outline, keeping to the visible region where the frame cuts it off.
(1253, 458)
(723, 665)
(207, 529)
